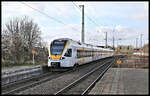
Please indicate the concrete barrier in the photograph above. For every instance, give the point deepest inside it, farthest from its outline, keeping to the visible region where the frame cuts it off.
(16, 75)
(19, 70)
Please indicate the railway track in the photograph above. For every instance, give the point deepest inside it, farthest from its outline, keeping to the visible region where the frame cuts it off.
(31, 82)
(23, 81)
(84, 83)
(18, 87)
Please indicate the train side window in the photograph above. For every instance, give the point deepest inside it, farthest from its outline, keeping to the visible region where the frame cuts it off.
(68, 53)
(79, 53)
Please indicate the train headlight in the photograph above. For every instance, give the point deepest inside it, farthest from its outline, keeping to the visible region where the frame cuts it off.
(62, 57)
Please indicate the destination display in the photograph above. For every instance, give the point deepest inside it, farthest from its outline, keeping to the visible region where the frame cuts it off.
(59, 42)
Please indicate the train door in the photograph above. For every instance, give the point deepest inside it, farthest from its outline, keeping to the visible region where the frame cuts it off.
(69, 57)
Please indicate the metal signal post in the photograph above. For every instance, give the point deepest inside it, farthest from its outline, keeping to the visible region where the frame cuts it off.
(33, 52)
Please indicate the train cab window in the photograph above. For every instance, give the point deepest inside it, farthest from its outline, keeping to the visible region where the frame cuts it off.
(68, 53)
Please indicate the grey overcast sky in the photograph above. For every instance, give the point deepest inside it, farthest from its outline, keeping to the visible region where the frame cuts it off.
(125, 20)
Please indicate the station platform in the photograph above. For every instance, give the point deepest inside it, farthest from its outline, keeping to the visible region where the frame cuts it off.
(123, 81)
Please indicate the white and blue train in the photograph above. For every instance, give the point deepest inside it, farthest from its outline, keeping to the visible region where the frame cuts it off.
(66, 53)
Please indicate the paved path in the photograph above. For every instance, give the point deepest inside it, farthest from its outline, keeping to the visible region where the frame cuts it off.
(123, 81)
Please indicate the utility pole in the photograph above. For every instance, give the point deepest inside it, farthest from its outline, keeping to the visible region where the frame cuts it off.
(106, 40)
(82, 35)
(136, 42)
(113, 42)
(113, 39)
(141, 40)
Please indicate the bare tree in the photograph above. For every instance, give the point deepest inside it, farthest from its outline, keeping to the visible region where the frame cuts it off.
(42, 52)
(5, 45)
(20, 36)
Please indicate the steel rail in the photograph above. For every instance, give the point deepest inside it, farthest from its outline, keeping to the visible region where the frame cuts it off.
(35, 83)
(98, 78)
(43, 80)
(78, 80)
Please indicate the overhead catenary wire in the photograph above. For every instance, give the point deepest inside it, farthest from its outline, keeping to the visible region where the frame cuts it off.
(59, 9)
(87, 16)
(48, 15)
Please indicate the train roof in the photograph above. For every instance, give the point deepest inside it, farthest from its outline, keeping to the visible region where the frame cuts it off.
(85, 45)
(63, 39)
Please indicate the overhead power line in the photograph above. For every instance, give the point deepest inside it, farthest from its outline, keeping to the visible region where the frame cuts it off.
(86, 15)
(48, 15)
(43, 13)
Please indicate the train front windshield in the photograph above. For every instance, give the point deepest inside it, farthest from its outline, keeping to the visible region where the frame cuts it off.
(57, 47)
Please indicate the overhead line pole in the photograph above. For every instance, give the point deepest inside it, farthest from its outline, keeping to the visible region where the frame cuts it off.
(86, 14)
(113, 39)
(106, 40)
(141, 40)
(136, 43)
(113, 42)
(82, 34)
